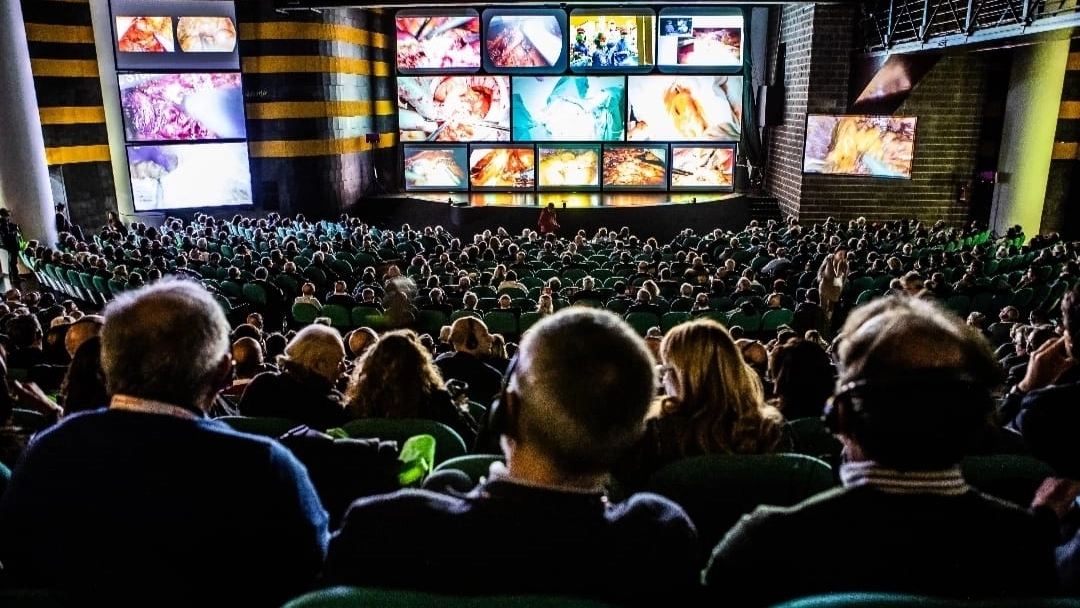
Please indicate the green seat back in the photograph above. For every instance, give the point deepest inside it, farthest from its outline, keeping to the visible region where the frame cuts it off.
(366, 597)
(448, 443)
(267, 426)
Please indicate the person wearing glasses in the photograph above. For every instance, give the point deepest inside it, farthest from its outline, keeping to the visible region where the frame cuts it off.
(914, 391)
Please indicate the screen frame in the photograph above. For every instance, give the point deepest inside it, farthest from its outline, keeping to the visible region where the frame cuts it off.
(181, 61)
(498, 146)
(914, 147)
(485, 25)
(664, 184)
(440, 12)
(597, 147)
(691, 11)
(456, 146)
(189, 144)
(734, 147)
(614, 12)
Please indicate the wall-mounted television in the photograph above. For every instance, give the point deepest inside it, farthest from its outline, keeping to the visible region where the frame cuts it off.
(502, 167)
(703, 167)
(568, 167)
(188, 106)
(433, 39)
(684, 108)
(524, 40)
(700, 39)
(568, 108)
(181, 176)
(175, 35)
(454, 108)
(635, 167)
(872, 146)
(615, 39)
(436, 167)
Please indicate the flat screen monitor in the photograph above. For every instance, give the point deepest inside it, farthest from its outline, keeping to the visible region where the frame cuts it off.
(569, 108)
(454, 108)
(612, 40)
(436, 167)
(871, 146)
(176, 107)
(635, 167)
(438, 40)
(703, 167)
(568, 167)
(684, 108)
(700, 40)
(175, 35)
(495, 167)
(524, 40)
(189, 175)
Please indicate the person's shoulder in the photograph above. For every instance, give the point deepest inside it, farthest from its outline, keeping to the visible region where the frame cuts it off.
(406, 505)
(647, 507)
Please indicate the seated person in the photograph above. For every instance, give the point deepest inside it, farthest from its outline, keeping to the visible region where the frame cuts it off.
(542, 523)
(914, 390)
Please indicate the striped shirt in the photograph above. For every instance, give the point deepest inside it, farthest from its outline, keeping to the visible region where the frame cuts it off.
(944, 482)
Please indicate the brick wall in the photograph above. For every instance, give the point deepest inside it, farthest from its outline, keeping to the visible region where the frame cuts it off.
(315, 85)
(63, 59)
(948, 101)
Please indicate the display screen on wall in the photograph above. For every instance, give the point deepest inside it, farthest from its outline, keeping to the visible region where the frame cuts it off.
(526, 40)
(616, 39)
(179, 176)
(687, 108)
(873, 146)
(502, 167)
(436, 167)
(635, 167)
(700, 40)
(434, 40)
(188, 106)
(568, 167)
(702, 167)
(454, 108)
(569, 108)
(175, 35)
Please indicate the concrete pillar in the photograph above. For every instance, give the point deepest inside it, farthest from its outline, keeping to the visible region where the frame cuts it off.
(24, 173)
(1027, 138)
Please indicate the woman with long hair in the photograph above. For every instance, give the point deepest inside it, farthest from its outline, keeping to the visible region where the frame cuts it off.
(396, 378)
(714, 403)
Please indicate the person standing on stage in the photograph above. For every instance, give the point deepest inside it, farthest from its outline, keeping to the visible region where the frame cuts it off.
(548, 221)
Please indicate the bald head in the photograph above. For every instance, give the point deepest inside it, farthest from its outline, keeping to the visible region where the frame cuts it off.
(247, 354)
(82, 330)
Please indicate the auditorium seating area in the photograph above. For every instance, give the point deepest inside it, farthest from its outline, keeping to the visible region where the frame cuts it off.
(754, 282)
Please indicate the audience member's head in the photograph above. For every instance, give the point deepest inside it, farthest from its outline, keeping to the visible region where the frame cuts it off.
(360, 339)
(802, 378)
(82, 330)
(83, 386)
(315, 350)
(550, 419)
(914, 384)
(394, 378)
(470, 335)
(247, 355)
(166, 342)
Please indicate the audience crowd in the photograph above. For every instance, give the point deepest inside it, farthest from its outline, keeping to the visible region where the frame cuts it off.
(583, 365)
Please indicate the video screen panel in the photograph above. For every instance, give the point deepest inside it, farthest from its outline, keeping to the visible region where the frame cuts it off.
(502, 167)
(182, 176)
(569, 108)
(524, 41)
(175, 35)
(436, 167)
(684, 108)
(616, 39)
(702, 167)
(568, 167)
(447, 41)
(454, 108)
(699, 40)
(871, 146)
(178, 107)
(635, 167)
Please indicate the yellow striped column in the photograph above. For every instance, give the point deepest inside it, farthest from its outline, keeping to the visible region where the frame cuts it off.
(315, 85)
(1064, 183)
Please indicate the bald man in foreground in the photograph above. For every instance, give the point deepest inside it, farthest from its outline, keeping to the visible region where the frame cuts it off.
(543, 522)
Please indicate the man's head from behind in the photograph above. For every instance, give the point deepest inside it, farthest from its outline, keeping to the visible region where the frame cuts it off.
(82, 330)
(914, 386)
(314, 350)
(470, 335)
(247, 354)
(167, 342)
(576, 410)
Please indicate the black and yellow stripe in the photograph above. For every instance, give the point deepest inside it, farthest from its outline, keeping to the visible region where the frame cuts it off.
(1067, 136)
(63, 59)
